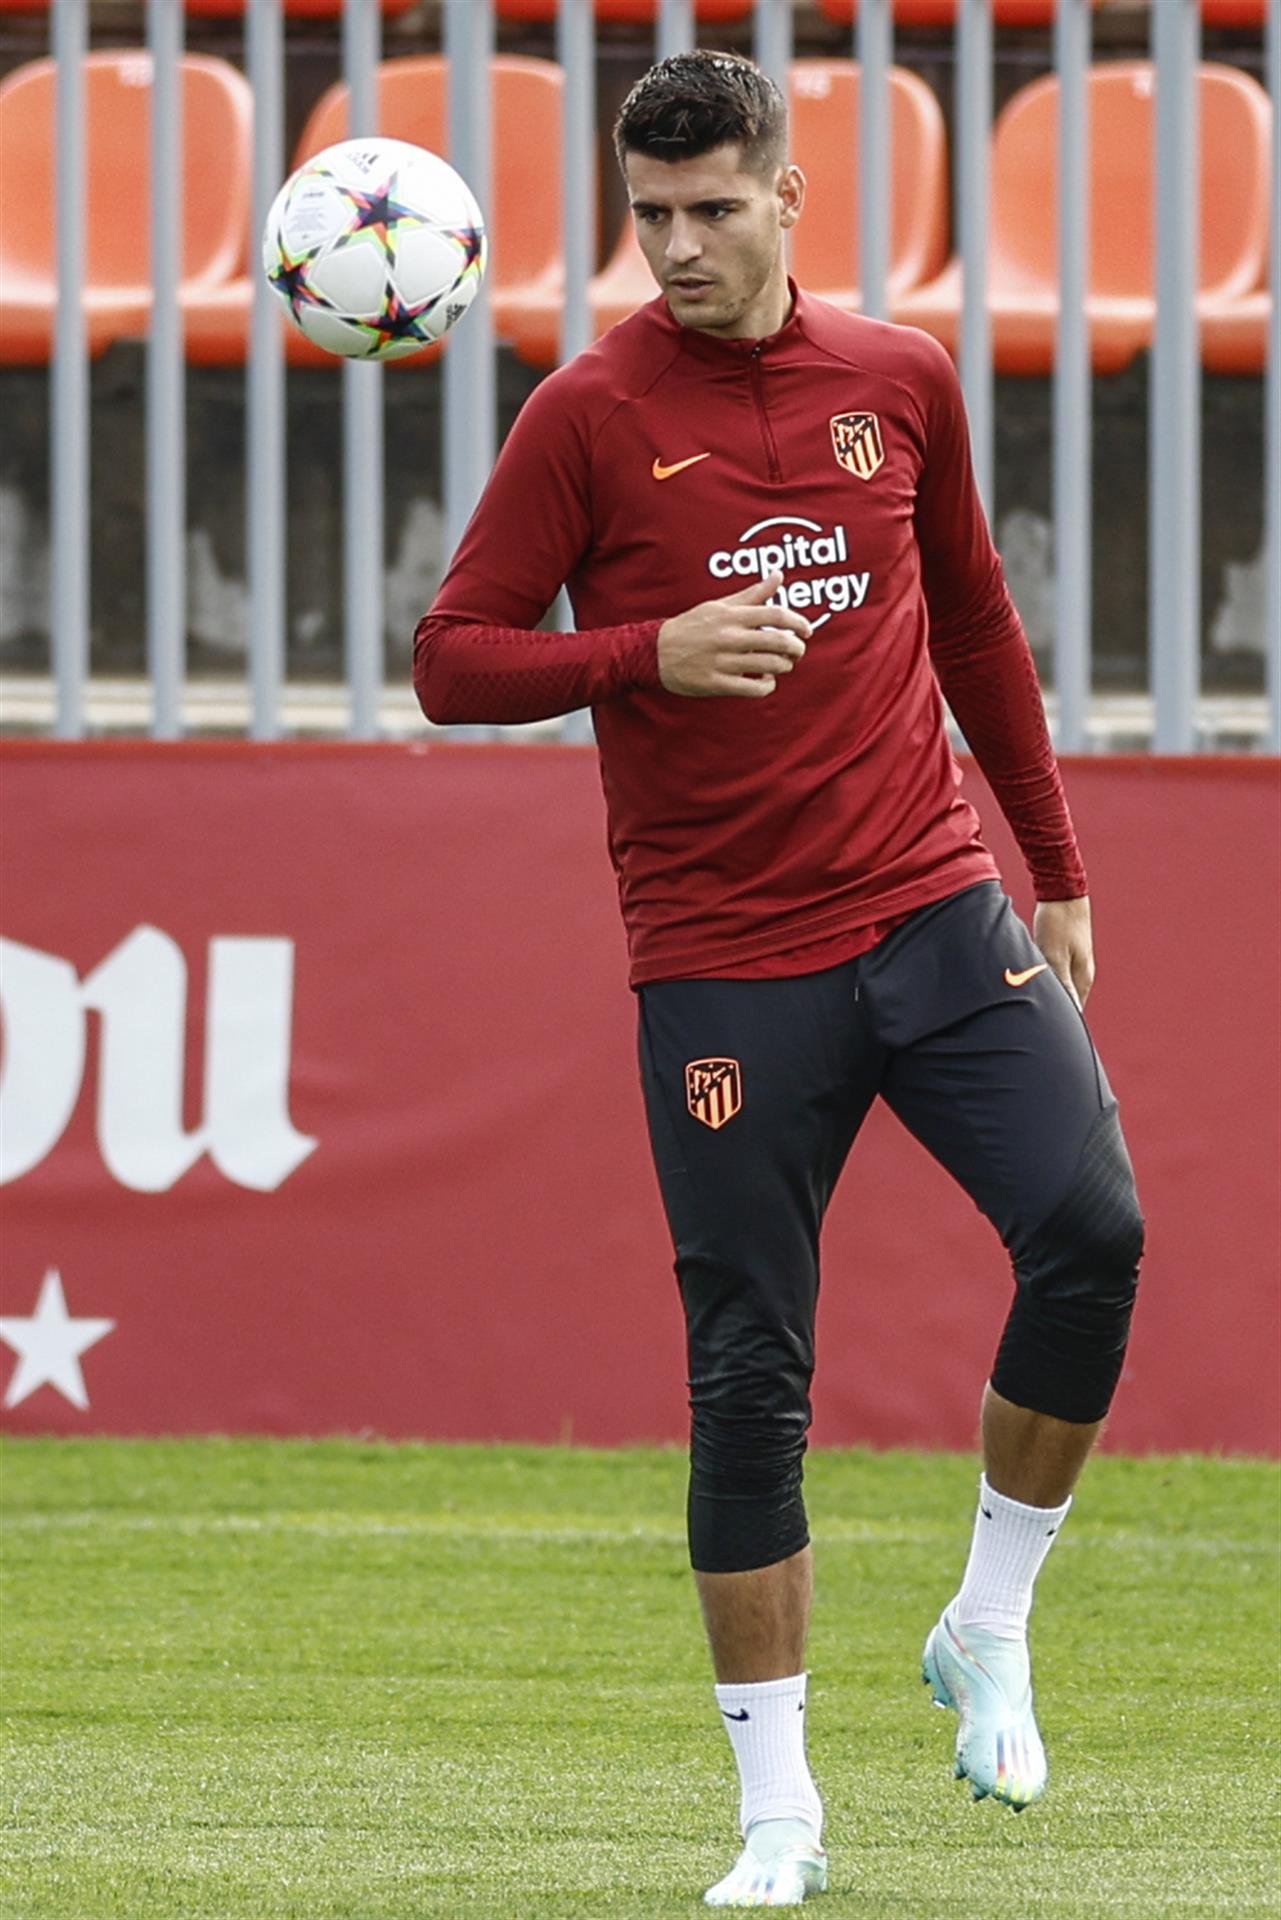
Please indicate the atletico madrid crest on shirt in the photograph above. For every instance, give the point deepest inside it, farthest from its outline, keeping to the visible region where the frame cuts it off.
(713, 1091)
(856, 441)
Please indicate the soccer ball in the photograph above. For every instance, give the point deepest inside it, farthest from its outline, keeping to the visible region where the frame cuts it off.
(375, 247)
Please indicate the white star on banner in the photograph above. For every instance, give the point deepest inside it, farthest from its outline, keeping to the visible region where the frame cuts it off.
(49, 1344)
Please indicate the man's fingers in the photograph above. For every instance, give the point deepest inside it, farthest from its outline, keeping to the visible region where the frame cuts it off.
(1068, 970)
(759, 591)
(754, 599)
(751, 662)
(738, 645)
(750, 686)
(1061, 929)
(1083, 978)
(761, 640)
(1064, 971)
(771, 621)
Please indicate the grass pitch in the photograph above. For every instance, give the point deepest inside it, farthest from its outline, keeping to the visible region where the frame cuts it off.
(269, 1679)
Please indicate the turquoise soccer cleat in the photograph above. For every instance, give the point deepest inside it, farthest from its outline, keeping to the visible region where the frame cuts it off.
(765, 1876)
(987, 1679)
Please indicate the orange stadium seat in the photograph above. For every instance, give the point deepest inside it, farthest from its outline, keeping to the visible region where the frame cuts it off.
(296, 9)
(824, 102)
(1120, 305)
(1234, 13)
(941, 13)
(1234, 333)
(623, 283)
(216, 108)
(526, 271)
(628, 10)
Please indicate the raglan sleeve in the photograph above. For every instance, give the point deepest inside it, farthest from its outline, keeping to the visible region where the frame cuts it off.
(978, 646)
(479, 654)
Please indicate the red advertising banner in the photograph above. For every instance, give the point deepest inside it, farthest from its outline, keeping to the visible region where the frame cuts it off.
(319, 1111)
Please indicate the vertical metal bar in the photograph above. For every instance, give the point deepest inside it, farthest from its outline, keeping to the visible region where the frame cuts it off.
(973, 134)
(265, 388)
(1073, 393)
(675, 28)
(361, 48)
(1272, 407)
(362, 425)
(69, 383)
(1174, 552)
(166, 435)
(470, 411)
(875, 52)
(772, 38)
(576, 51)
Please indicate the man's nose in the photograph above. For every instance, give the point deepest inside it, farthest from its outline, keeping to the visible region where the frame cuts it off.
(683, 242)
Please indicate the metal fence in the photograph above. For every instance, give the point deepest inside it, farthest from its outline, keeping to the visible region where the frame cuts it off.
(469, 410)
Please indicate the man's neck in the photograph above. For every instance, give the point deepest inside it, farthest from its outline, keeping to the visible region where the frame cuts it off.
(771, 310)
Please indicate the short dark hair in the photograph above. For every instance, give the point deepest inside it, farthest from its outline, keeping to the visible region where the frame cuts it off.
(693, 102)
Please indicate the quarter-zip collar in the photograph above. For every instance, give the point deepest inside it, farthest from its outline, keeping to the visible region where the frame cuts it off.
(744, 359)
(773, 466)
(727, 354)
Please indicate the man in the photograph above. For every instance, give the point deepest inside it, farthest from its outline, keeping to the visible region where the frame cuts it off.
(765, 515)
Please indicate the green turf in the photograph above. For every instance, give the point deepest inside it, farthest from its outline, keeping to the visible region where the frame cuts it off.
(259, 1679)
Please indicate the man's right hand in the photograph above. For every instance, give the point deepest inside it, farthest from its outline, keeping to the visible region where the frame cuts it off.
(737, 645)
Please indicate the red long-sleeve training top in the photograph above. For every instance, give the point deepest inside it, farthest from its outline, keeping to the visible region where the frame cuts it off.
(664, 467)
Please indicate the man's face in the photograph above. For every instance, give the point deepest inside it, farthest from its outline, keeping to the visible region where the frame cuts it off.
(712, 233)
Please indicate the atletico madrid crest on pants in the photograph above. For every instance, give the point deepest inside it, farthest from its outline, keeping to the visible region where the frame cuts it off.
(713, 1091)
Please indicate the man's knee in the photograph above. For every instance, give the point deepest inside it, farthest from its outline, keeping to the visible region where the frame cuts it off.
(751, 1360)
(746, 1508)
(1076, 1273)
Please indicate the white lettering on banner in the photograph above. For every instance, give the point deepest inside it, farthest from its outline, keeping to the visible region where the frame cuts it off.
(787, 550)
(140, 990)
(44, 1054)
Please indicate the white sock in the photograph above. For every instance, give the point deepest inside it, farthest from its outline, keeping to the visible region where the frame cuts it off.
(765, 1721)
(1010, 1543)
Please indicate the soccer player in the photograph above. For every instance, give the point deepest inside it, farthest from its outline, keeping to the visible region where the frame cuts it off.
(764, 512)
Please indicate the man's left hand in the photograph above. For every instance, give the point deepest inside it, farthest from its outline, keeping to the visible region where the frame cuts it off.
(1061, 929)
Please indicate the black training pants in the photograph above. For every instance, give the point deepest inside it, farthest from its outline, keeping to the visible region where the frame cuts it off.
(755, 1090)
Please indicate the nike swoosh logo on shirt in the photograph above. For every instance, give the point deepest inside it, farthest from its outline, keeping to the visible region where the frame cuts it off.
(660, 472)
(1021, 979)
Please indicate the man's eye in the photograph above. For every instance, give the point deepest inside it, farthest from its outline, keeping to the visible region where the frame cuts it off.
(648, 216)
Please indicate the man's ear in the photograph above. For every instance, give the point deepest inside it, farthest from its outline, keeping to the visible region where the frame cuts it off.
(791, 195)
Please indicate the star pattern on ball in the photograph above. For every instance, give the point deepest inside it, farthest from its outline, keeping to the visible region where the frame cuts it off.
(379, 212)
(398, 321)
(471, 243)
(289, 279)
